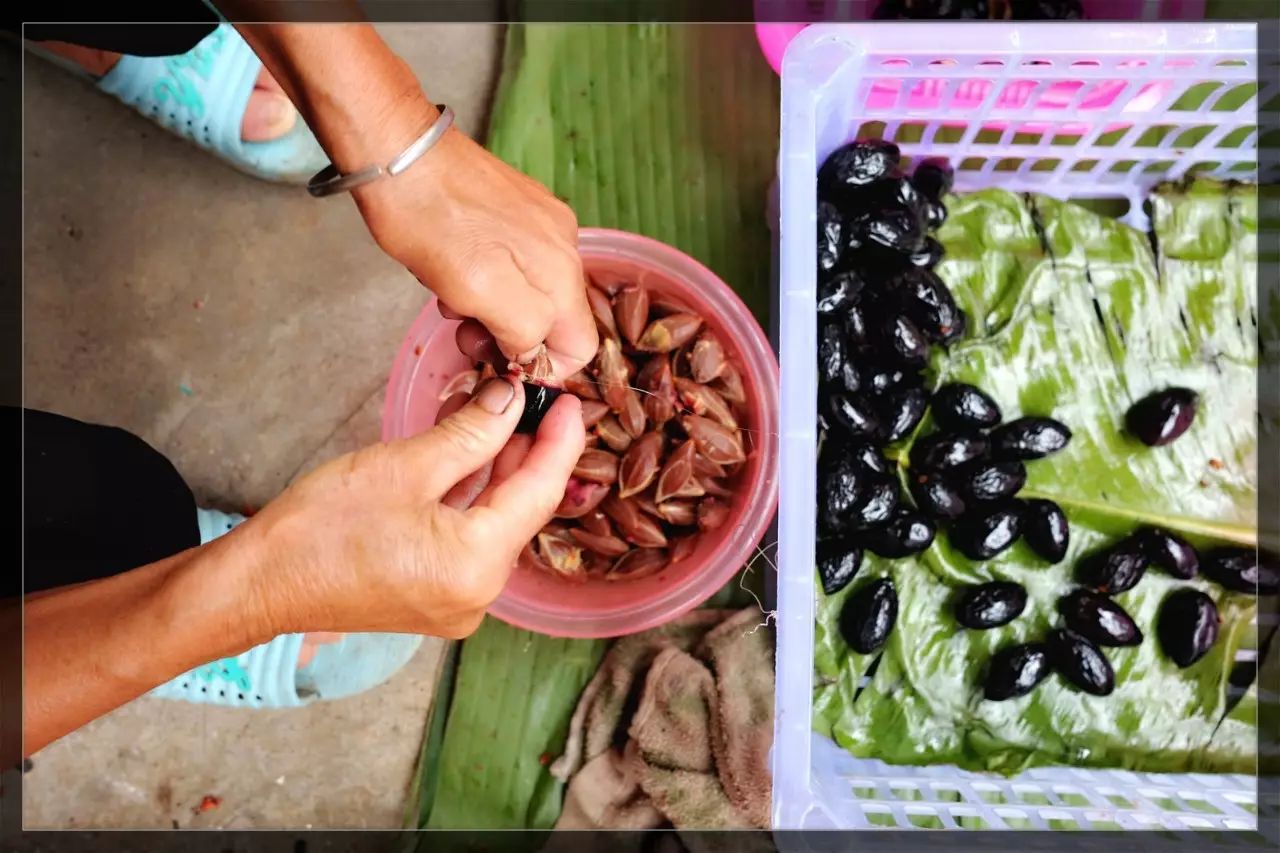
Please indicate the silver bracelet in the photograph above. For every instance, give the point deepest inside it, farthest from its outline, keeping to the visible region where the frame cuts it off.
(329, 181)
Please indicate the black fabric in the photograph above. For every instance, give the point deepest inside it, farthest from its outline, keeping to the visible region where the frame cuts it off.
(97, 501)
(134, 39)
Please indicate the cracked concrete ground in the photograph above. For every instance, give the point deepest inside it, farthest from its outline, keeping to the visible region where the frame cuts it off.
(246, 330)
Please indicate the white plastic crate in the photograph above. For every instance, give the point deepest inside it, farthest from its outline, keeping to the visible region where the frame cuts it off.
(1072, 110)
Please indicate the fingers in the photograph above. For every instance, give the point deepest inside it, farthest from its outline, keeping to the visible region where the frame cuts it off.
(464, 494)
(573, 338)
(498, 294)
(512, 511)
(477, 343)
(447, 312)
(466, 440)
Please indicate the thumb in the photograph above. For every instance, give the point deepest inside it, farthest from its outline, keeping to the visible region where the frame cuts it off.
(468, 439)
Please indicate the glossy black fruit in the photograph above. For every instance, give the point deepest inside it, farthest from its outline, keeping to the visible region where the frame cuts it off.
(832, 353)
(876, 505)
(1188, 626)
(1113, 570)
(838, 292)
(855, 414)
(935, 214)
(1170, 552)
(1044, 527)
(945, 450)
(953, 333)
(991, 481)
(857, 327)
(838, 561)
(881, 379)
(904, 340)
(907, 532)
(898, 229)
(900, 412)
(960, 407)
(830, 237)
(1099, 619)
(990, 605)
(928, 255)
(1047, 10)
(855, 165)
(868, 616)
(842, 483)
(1239, 569)
(982, 534)
(1029, 438)
(1160, 418)
(1016, 670)
(937, 497)
(1081, 662)
(927, 301)
(869, 456)
(538, 400)
(933, 178)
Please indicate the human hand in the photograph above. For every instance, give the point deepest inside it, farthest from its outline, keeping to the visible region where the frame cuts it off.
(494, 245)
(377, 541)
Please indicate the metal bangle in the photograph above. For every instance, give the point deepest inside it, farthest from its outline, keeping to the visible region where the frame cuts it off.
(329, 181)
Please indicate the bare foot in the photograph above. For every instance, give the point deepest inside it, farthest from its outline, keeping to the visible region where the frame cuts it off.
(268, 115)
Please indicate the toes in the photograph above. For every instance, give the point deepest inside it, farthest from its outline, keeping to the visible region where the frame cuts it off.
(268, 115)
(267, 82)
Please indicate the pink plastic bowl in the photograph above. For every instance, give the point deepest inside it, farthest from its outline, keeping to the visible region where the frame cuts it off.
(539, 602)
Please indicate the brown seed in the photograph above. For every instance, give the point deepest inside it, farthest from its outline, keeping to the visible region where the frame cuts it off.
(636, 527)
(530, 557)
(614, 374)
(692, 489)
(667, 333)
(611, 433)
(729, 385)
(564, 557)
(631, 414)
(645, 501)
(596, 522)
(582, 386)
(610, 284)
(660, 391)
(676, 473)
(683, 546)
(597, 466)
(640, 465)
(681, 513)
(639, 563)
(704, 467)
(607, 546)
(712, 513)
(593, 411)
(706, 359)
(555, 528)
(701, 400)
(592, 440)
(663, 304)
(597, 565)
(631, 309)
(603, 312)
(715, 487)
(580, 497)
(715, 441)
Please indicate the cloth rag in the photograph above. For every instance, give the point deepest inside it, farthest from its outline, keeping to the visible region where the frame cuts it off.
(674, 729)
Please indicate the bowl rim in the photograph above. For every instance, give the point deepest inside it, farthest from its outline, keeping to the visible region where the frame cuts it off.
(757, 510)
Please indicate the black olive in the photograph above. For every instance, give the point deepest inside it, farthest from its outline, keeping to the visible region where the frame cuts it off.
(927, 301)
(1044, 526)
(868, 456)
(839, 292)
(1163, 416)
(1029, 438)
(868, 616)
(855, 414)
(1239, 569)
(1016, 670)
(1188, 626)
(841, 485)
(933, 177)
(935, 214)
(856, 164)
(1081, 662)
(1098, 619)
(982, 534)
(880, 379)
(856, 328)
(904, 340)
(990, 605)
(838, 561)
(991, 481)
(900, 411)
(953, 333)
(936, 496)
(1113, 570)
(897, 229)
(1047, 10)
(959, 406)
(877, 503)
(538, 400)
(832, 353)
(1170, 552)
(906, 533)
(928, 254)
(943, 450)
(830, 238)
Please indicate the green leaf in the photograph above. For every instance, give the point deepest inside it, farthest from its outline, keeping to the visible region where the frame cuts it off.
(1073, 316)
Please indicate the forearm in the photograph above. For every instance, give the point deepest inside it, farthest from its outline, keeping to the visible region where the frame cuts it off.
(92, 647)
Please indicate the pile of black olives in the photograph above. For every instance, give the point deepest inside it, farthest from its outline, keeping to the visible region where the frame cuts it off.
(1016, 10)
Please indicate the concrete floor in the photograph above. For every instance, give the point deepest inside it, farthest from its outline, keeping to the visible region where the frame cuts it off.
(245, 330)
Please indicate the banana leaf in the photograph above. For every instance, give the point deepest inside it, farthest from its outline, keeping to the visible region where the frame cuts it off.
(668, 131)
(1073, 315)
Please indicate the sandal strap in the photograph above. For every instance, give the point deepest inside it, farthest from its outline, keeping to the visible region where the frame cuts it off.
(263, 677)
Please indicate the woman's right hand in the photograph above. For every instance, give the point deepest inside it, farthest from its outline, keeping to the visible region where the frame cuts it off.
(368, 542)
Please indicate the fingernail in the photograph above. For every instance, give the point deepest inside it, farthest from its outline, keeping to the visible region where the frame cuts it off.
(495, 395)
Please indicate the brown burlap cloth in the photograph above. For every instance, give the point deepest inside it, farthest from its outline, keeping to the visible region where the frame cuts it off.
(675, 729)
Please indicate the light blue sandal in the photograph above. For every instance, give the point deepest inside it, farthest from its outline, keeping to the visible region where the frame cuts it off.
(201, 96)
(268, 676)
